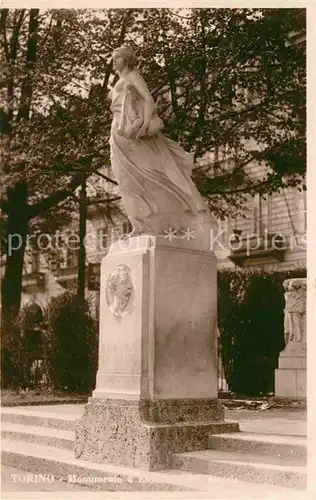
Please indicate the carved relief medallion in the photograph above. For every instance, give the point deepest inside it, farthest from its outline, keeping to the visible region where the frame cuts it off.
(119, 288)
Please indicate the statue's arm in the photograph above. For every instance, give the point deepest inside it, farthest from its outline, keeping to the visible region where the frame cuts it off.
(140, 85)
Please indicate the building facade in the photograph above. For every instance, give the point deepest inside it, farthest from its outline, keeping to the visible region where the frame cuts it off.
(270, 234)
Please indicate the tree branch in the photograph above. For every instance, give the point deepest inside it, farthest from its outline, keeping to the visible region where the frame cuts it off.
(3, 20)
(55, 198)
(15, 35)
(108, 179)
(245, 189)
(105, 200)
(229, 174)
(48, 29)
(12, 58)
(120, 42)
(170, 72)
(181, 17)
(27, 86)
(202, 107)
(60, 195)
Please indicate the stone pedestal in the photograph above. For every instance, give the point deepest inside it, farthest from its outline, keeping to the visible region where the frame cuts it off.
(156, 390)
(290, 377)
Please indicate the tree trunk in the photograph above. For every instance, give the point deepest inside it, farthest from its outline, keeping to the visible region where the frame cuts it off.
(15, 249)
(82, 235)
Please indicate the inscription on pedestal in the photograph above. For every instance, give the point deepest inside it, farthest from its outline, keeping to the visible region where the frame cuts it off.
(196, 271)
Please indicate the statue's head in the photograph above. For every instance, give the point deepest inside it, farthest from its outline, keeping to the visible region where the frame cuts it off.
(124, 56)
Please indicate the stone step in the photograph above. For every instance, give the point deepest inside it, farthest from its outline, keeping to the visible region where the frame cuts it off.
(57, 438)
(38, 417)
(243, 466)
(60, 465)
(286, 447)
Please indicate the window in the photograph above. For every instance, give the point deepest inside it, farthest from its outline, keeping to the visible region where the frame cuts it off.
(33, 257)
(72, 257)
(301, 213)
(72, 249)
(261, 214)
(103, 238)
(127, 227)
(35, 261)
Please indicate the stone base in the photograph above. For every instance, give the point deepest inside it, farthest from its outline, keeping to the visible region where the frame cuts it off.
(145, 434)
(291, 383)
(291, 376)
(156, 388)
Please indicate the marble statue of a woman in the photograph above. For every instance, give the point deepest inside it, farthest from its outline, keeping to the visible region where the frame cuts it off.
(152, 171)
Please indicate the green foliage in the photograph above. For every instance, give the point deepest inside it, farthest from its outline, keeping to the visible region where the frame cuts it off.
(71, 343)
(13, 359)
(30, 316)
(237, 88)
(234, 82)
(20, 346)
(234, 79)
(250, 320)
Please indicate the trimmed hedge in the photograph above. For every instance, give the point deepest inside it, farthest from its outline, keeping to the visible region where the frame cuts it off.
(13, 359)
(70, 344)
(250, 320)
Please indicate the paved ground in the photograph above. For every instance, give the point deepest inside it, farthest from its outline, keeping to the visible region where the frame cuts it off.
(272, 421)
(282, 422)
